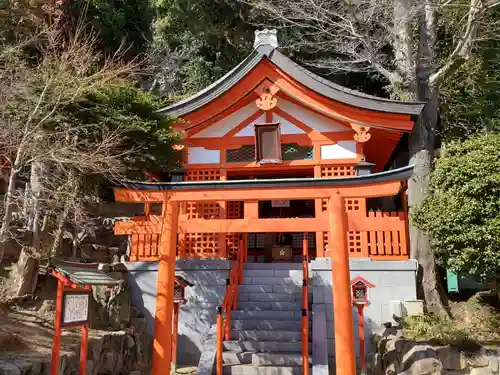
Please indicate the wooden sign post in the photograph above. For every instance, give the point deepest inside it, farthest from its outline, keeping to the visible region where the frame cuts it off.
(74, 293)
(72, 310)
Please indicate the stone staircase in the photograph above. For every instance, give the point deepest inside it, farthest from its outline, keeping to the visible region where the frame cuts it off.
(266, 327)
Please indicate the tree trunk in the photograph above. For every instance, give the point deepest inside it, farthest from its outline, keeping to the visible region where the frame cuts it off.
(56, 245)
(36, 182)
(421, 155)
(421, 147)
(9, 198)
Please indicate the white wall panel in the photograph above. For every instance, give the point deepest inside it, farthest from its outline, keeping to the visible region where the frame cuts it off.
(310, 118)
(248, 131)
(222, 127)
(340, 150)
(200, 155)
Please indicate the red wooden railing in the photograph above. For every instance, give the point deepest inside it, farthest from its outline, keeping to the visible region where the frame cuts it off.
(228, 305)
(376, 235)
(305, 306)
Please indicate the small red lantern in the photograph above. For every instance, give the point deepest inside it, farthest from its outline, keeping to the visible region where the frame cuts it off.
(359, 289)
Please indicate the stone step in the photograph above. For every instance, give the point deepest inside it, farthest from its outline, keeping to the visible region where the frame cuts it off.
(268, 297)
(262, 370)
(272, 266)
(263, 359)
(263, 346)
(265, 324)
(264, 335)
(266, 314)
(295, 274)
(280, 306)
(273, 280)
(255, 288)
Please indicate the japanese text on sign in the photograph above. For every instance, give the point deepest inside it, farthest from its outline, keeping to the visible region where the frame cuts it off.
(76, 308)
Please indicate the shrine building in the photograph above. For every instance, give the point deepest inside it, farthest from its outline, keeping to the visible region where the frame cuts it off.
(287, 194)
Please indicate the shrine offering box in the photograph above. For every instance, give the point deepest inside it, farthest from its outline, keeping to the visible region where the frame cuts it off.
(282, 253)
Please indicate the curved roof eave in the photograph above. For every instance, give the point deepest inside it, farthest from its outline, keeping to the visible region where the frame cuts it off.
(307, 78)
(400, 174)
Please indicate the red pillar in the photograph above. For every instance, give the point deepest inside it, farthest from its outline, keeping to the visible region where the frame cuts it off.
(345, 356)
(162, 343)
(174, 337)
(56, 344)
(84, 349)
(361, 329)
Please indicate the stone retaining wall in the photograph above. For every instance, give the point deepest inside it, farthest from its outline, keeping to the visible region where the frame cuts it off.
(396, 355)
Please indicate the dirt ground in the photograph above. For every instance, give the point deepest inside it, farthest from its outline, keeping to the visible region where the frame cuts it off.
(23, 333)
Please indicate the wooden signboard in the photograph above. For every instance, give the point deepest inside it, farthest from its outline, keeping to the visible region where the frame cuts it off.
(280, 203)
(75, 308)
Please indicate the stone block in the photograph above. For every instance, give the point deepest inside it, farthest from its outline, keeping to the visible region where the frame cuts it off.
(451, 358)
(482, 371)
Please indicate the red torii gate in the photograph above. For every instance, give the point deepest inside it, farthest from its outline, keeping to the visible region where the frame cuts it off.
(335, 190)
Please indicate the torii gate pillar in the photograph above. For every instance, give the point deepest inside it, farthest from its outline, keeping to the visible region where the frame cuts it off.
(345, 355)
(162, 344)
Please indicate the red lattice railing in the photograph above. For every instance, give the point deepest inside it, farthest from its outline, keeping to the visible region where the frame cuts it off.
(364, 240)
(208, 245)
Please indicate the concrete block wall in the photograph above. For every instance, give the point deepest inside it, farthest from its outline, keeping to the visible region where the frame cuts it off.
(394, 281)
(208, 277)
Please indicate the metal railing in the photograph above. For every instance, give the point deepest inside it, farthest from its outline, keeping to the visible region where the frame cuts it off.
(305, 307)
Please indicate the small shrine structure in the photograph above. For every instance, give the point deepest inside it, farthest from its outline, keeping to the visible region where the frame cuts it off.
(272, 152)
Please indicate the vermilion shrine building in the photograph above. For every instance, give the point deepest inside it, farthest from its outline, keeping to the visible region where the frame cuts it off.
(273, 151)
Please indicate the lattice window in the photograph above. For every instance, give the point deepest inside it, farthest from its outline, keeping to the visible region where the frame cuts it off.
(289, 151)
(256, 240)
(202, 175)
(243, 154)
(352, 204)
(234, 210)
(295, 152)
(354, 244)
(201, 245)
(338, 171)
(202, 210)
(297, 239)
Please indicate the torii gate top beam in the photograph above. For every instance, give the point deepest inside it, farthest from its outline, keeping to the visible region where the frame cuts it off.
(374, 185)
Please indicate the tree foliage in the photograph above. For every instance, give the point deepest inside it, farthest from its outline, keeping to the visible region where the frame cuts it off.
(461, 213)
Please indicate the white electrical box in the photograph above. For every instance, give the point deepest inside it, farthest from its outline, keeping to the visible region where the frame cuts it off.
(415, 307)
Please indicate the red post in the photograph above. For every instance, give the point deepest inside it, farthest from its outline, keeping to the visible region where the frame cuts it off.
(227, 308)
(342, 308)
(219, 344)
(175, 328)
(84, 349)
(305, 307)
(56, 344)
(361, 331)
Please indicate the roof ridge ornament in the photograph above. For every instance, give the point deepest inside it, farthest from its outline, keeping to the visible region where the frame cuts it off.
(266, 37)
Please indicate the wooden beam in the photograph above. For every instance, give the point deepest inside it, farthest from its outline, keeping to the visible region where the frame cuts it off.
(355, 223)
(374, 190)
(137, 227)
(252, 225)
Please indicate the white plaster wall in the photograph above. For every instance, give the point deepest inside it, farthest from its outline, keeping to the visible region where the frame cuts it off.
(200, 155)
(340, 150)
(311, 119)
(286, 127)
(222, 127)
(208, 277)
(248, 131)
(394, 281)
